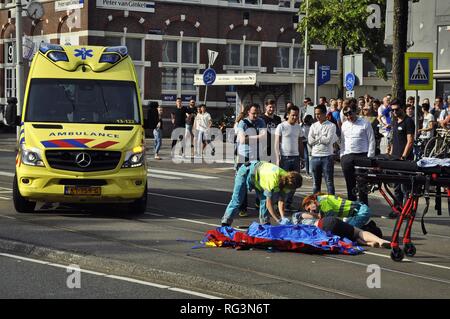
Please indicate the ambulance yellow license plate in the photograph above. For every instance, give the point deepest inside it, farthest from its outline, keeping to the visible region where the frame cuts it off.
(83, 190)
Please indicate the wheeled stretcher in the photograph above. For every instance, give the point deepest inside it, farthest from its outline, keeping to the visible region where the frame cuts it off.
(374, 174)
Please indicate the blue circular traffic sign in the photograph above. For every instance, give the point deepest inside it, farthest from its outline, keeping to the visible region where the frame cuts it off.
(350, 80)
(209, 76)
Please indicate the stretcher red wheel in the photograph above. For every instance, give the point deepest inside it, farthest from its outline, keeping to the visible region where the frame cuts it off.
(397, 254)
(410, 250)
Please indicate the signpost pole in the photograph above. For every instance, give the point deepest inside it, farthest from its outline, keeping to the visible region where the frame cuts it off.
(206, 88)
(316, 80)
(416, 115)
(19, 60)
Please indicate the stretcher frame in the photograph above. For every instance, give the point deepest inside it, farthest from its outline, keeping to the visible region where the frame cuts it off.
(376, 175)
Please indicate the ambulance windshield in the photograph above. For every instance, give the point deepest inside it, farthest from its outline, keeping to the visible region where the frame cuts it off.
(82, 101)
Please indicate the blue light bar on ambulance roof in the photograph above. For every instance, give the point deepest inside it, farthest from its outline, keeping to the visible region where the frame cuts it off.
(45, 47)
(109, 58)
(122, 50)
(56, 56)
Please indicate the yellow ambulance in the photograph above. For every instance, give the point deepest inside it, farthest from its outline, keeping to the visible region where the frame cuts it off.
(81, 134)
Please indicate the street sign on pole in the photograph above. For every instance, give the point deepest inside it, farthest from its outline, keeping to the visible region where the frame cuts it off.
(212, 56)
(324, 74)
(418, 71)
(353, 63)
(209, 76)
(350, 80)
(228, 79)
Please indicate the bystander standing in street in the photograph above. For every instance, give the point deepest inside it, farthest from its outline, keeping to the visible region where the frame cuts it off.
(289, 146)
(251, 134)
(321, 138)
(403, 130)
(271, 120)
(190, 117)
(427, 130)
(358, 141)
(179, 126)
(202, 125)
(157, 131)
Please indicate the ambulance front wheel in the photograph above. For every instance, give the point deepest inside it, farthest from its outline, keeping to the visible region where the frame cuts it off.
(21, 204)
(139, 206)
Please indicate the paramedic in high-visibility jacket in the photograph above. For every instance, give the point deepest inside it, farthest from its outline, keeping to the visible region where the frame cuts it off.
(354, 213)
(270, 182)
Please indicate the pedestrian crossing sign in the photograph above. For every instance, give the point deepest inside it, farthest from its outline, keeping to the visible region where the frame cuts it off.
(418, 71)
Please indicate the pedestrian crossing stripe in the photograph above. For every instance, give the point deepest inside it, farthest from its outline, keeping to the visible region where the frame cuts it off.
(418, 73)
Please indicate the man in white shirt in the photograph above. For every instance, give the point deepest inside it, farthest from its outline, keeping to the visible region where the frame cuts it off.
(288, 146)
(202, 124)
(358, 140)
(321, 138)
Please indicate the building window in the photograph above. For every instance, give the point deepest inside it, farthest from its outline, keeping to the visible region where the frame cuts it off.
(250, 55)
(10, 81)
(243, 56)
(289, 4)
(246, 2)
(180, 62)
(283, 57)
(290, 58)
(169, 53)
(134, 48)
(135, 51)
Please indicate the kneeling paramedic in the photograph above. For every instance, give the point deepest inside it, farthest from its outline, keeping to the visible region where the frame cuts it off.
(270, 182)
(354, 213)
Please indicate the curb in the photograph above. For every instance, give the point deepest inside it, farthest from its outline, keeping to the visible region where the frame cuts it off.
(136, 271)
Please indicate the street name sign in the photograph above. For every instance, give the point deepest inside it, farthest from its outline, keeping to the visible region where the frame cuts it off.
(229, 79)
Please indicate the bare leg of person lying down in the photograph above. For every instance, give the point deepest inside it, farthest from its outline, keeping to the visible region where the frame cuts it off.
(340, 228)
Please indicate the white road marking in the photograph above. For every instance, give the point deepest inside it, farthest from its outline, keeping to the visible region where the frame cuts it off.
(5, 198)
(180, 174)
(410, 260)
(391, 270)
(127, 279)
(163, 176)
(189, 199)
(2, 173)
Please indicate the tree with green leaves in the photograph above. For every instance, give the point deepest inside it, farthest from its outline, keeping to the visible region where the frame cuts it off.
(346, 25)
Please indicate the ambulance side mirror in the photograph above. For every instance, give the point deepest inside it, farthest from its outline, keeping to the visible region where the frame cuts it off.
(11, 118)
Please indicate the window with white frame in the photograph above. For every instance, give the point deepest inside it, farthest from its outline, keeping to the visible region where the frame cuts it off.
(292, 4)
(135, 47)
(289, 58)
(180, 62)
(243, 56)
(246, 2)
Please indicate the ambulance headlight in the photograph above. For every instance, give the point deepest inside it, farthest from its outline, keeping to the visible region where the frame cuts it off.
(32, 157)
(134, 157)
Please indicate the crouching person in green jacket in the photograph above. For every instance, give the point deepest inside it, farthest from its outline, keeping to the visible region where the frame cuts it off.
(271, 184)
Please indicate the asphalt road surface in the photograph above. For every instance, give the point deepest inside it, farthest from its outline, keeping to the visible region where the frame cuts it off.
(186, 200)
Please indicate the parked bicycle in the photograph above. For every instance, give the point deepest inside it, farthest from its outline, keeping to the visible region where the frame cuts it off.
(438, 146)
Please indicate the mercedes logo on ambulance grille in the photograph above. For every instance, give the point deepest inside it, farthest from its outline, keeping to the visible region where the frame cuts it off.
(83, 159)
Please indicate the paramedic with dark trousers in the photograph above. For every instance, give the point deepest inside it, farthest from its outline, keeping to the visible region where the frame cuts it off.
(403, 130)
(270, 182)
(358, 141)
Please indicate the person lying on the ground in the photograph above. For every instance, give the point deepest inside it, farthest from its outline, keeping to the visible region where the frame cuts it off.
(354, 213)
(342, 229)
(270, 183)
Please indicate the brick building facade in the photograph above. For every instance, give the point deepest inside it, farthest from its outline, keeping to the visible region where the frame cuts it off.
(168, 41)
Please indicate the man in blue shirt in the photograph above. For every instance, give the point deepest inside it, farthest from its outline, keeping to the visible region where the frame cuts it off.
(251, 136)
